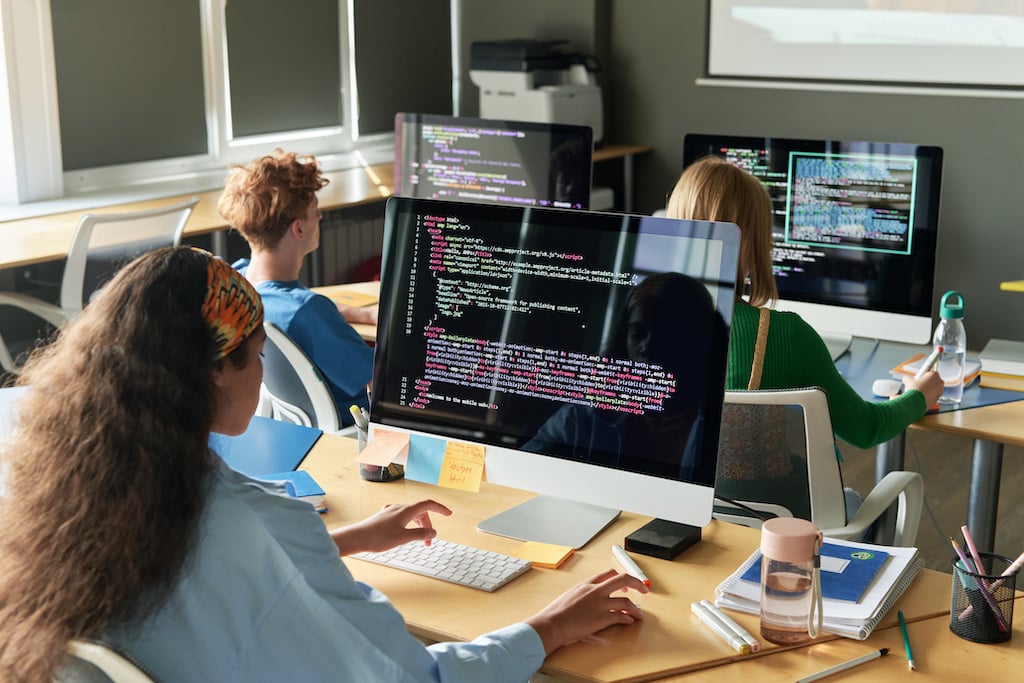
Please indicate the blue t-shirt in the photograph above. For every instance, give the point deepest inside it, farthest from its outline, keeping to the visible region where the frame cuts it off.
(315, 324)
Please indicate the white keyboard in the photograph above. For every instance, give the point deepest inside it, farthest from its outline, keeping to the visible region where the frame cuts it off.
(454, 562)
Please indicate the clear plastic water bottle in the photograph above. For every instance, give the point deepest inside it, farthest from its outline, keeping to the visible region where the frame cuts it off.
(952, 337)
(790, 585)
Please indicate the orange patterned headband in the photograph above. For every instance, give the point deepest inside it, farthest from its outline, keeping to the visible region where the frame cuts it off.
(233, 308)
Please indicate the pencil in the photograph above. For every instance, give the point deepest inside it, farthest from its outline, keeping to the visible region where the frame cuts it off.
(856, 661)
(906, 641)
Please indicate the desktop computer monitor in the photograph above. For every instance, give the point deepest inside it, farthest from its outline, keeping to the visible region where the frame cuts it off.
(855, 230)
(505, 162)
(586, 351)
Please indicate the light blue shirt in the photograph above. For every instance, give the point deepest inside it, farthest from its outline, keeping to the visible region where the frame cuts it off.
(265, 597)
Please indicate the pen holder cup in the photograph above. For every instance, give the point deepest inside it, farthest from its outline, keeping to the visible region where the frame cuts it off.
(375, 472)
(981, 608)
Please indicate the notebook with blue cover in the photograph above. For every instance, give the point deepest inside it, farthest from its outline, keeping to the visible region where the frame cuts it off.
(300, 484)
(845, 572)
(267, 446)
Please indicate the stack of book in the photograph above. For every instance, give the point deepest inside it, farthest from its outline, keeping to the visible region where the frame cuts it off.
(859, 583)
(1002, 365)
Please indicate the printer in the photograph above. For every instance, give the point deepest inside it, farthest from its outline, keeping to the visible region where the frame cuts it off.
(533, 80)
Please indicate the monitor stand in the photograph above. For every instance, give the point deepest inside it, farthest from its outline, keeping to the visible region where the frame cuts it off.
(837, 344)
(547, 519)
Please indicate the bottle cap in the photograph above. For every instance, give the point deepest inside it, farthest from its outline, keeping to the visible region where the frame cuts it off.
(789, 539)
(948, 309)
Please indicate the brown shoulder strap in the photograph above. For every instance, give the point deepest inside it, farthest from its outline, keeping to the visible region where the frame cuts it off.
(762, 341)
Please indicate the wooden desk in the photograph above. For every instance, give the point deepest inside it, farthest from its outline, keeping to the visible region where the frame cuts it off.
(989, 416)
(938, 655)
(626, 153)
(336, 293)
(669, 641)
(46, 238)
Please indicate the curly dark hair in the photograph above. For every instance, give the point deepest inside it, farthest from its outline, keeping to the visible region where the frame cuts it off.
(107, 470)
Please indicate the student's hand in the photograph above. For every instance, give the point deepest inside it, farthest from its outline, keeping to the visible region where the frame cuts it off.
(587, 608)
(929, 384)
(392, 526)
(366, 315)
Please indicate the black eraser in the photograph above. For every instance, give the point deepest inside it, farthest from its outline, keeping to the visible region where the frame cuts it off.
(662, 539)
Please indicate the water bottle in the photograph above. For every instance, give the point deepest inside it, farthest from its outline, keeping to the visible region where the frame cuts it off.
(790, 585)
(952, 337)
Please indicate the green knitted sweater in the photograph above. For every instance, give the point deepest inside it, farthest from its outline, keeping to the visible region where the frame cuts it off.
(796, 356)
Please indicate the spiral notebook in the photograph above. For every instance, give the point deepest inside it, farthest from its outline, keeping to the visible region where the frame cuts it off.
(851, 619)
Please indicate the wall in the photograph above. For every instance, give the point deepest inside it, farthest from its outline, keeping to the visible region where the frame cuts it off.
(657, 51)
(654, 51)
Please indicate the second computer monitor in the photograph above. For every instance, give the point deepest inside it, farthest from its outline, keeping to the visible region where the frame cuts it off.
(515, 163)
(855, 229)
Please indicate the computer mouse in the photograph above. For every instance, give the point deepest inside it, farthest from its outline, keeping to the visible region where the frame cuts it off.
(886, 387)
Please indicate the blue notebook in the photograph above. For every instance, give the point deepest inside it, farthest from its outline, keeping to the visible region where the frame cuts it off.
(300, 484)
(845, 572)
(267, 446)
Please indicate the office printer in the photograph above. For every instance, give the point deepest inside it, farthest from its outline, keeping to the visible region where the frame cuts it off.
(533, 80)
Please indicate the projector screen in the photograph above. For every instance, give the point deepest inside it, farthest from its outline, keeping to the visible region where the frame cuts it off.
(978, 43)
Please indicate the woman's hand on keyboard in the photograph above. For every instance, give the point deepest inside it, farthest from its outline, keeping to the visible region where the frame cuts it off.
(587, 608)
(394, 525)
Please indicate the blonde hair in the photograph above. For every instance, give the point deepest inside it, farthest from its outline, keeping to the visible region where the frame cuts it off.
(712, 189)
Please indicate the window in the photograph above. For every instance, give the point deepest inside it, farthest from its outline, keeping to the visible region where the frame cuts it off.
(154, 89)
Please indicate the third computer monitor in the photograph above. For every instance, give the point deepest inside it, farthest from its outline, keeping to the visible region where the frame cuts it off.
(516, 163)
(586, 351)
(855, 229)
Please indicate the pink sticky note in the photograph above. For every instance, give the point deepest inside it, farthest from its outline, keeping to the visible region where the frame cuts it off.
(385, 448)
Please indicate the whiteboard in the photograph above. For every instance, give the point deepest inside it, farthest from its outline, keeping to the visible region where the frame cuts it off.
(979, 43)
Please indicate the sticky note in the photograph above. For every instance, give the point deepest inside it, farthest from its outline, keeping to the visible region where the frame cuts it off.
(385, 448)
(350, 298)
(426, 453)
(463, 466)
(544, 554)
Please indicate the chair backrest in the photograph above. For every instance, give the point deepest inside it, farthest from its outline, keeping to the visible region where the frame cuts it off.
(293, 386)
(777, 449)
(102, 243)
(94, 662)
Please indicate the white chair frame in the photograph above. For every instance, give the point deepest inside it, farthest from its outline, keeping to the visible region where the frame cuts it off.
(272, 404)
(828, 509)
(165, 223)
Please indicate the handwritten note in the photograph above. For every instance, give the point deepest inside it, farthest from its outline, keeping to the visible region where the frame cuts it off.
(463, 466)
(385, 448)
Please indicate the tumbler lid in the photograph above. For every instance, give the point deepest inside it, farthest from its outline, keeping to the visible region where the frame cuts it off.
(789, 539)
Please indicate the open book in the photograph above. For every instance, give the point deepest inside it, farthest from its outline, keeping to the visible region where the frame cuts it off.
(852, 619)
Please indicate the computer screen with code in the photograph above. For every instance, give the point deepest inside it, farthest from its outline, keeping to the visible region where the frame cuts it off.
(503, 162)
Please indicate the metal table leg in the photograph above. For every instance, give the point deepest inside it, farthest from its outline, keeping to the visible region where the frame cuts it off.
(983, 497)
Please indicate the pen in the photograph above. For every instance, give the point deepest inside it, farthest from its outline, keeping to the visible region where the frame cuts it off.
(856, 661)
(929, 362)
(906, 641)
(629, 565)
(730, 623)
(362, 425)
(719, 627)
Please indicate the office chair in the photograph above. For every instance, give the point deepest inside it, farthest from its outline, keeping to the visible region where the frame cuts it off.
(777, 455)
(101, 244)
(93, 662)
(293, 389)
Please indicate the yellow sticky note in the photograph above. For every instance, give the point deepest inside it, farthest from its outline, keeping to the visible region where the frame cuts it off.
(462, 467)
(544, 554)
(385, 448)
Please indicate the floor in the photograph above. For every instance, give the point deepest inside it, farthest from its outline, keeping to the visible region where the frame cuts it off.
(945, 462)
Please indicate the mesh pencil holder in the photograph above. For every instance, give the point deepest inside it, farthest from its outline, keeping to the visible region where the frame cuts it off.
(982, 603)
